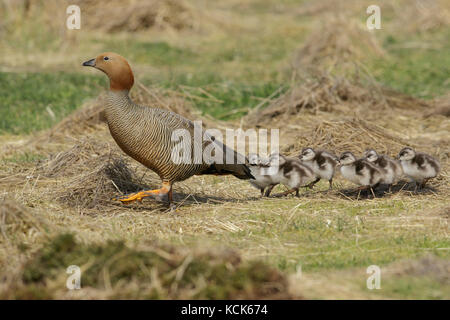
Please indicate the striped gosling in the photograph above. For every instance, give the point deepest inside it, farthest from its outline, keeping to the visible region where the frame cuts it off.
(322, 163)
(418, 166)
(263, 172)
(360, 172)
(391, 168)
(291, 173)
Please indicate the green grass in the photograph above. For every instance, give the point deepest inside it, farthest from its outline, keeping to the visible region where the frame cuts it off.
(35, 101)
(231, 100)
(26, 157)
(419, 72)
(159, 53)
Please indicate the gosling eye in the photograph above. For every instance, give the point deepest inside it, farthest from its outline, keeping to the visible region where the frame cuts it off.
(106, 58)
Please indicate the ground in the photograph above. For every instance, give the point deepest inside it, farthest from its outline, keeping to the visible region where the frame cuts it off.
(308, 68)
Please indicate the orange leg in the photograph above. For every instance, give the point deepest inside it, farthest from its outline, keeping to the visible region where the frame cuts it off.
(166, 189)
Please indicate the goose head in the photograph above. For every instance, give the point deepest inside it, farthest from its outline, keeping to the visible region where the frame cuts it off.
(116, 68)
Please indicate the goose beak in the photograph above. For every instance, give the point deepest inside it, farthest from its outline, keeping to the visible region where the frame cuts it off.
(89, 63)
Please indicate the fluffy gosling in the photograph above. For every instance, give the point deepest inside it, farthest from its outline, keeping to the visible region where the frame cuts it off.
(418, 166)
(263, 172)
(360, 172)
(322, 163)
(391, 168)
(291, 173)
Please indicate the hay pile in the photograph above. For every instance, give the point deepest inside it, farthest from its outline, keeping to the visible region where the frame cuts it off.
(407, 16)
(354, 135)
(320, 92)
(131, 15)
(107, 15)
(90, 174)
(89, 118)
(338, 40)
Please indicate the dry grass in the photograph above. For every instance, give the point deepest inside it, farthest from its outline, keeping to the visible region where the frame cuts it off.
(352, 135)
(319, 92)
(110, 16)
(421, 16)
(94, 173)
(337, 40)
(20, 224)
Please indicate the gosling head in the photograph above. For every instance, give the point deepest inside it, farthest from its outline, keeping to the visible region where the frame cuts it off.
(116, 68)
(406, 154)
(371, 155)
(276, 160)
(253, 159)
(347, 158)
(307, 154)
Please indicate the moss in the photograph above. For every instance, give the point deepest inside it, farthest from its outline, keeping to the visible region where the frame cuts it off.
(124, 265)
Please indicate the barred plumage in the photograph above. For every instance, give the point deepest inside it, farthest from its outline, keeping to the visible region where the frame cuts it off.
(145, 133)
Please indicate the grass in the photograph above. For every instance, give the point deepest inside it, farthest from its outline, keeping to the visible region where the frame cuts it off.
(158, 53)
(419, 72)
(231, 100)
(36, 101)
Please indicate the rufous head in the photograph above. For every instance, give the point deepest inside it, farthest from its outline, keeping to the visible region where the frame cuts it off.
(116, 68)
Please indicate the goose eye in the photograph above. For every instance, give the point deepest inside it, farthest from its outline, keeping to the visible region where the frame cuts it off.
(106, 58)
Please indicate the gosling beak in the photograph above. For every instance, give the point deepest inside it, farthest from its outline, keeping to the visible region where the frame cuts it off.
(89, 63)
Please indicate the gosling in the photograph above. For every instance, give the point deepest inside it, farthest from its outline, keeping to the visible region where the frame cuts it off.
(418, 166)
(360, 172)
(391, 168)
(291, 173)
(322, 163)
(263, 172)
